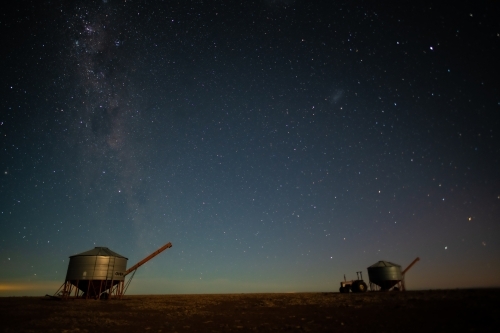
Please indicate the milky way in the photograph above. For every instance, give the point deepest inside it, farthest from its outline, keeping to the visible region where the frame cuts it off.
(278, 145)
(105, 109)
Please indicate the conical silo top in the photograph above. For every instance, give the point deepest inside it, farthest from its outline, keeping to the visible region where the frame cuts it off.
(99, 251)
(384, 263)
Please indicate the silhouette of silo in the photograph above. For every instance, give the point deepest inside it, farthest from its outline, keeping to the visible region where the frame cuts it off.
(97, 273)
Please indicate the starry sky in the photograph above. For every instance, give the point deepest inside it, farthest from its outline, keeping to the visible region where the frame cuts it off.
(277, 144)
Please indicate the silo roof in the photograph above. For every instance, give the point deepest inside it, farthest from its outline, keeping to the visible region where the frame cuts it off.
(99, 251)
(384, 263)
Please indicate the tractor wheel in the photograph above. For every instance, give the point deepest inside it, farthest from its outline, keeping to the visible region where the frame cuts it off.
(342, 290)
(362, 287)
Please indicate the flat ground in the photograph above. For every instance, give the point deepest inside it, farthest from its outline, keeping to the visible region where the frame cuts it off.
(411, 311)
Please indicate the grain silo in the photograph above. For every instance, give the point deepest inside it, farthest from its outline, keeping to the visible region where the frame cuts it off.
(385, 275)
(99, 274)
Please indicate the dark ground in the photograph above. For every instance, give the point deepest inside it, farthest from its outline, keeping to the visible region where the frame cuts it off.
(411, 311)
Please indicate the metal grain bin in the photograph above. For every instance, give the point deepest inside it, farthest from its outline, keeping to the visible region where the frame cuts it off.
(96, 271)
(385, 274)
(98, 264)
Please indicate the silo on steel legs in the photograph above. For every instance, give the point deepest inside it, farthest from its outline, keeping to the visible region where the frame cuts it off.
(97, 273)
(385, 275)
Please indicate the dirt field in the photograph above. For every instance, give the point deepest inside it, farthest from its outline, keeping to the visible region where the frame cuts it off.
(411, 311)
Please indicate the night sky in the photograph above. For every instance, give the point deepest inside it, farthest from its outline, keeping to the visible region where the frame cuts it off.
(277, 144)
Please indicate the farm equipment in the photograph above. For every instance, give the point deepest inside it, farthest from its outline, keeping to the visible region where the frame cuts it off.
(99, 274)
(386, 276)
(356, 286)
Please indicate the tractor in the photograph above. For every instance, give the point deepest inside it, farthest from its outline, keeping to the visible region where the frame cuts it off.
(356, 286)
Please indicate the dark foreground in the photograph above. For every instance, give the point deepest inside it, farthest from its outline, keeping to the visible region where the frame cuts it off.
(411, 311)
